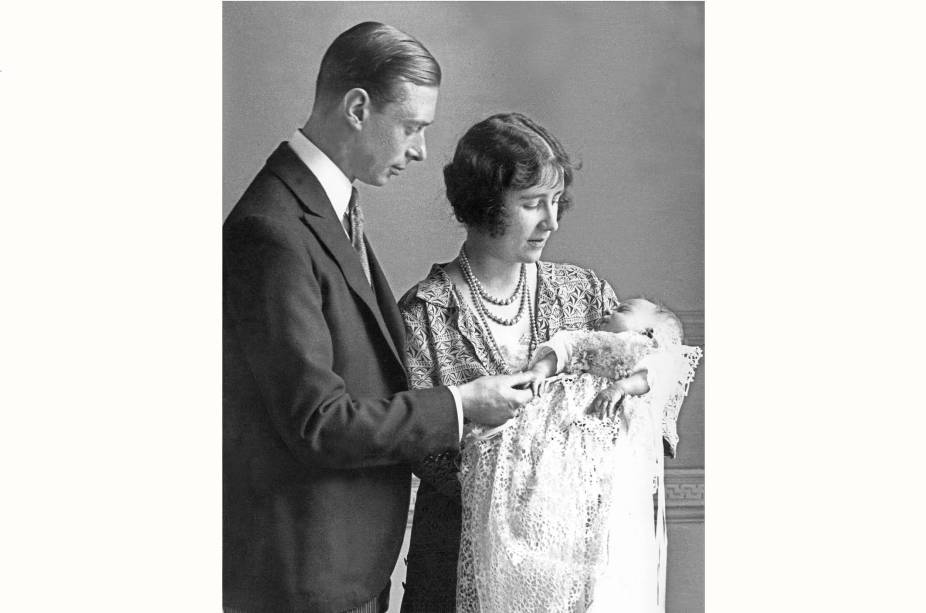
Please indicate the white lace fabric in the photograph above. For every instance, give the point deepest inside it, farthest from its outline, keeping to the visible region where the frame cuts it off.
(546, 498)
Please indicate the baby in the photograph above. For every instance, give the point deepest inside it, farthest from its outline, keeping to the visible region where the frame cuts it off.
(637, 327)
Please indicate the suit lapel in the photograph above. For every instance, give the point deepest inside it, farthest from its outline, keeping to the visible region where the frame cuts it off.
(318, 215)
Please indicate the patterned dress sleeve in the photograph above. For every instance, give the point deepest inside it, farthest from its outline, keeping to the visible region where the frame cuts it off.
(601, 301)
(608, 297)
(440, 470)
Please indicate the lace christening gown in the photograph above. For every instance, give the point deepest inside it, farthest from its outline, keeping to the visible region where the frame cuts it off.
(558, 506)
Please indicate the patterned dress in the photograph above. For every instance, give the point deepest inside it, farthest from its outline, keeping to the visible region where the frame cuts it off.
(445, 345)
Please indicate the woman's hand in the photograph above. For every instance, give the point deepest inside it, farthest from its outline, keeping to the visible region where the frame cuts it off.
(608, 401)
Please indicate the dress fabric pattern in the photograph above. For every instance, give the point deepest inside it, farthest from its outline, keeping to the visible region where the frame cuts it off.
(445, 345)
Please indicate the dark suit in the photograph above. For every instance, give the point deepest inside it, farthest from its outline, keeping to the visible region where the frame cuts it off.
(318, 428)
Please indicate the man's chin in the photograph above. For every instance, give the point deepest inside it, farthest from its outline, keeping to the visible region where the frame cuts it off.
(382, 179)
(375, 181)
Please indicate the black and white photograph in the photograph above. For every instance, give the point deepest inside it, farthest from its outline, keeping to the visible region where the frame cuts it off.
(463, 304)
(336, 307)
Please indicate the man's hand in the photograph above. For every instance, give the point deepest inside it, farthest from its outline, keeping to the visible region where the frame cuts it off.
(491, 401)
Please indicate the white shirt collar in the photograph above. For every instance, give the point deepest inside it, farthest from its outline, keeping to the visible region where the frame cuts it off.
(335, 183)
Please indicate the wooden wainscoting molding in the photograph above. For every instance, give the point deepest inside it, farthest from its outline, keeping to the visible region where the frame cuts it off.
(684, 496)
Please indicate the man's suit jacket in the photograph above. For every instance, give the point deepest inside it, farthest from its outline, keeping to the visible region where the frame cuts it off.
(318, 426)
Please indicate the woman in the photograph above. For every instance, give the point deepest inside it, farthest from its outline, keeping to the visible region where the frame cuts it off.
(486, 311)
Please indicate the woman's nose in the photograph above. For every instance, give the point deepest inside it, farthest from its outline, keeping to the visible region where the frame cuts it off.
(550, 221)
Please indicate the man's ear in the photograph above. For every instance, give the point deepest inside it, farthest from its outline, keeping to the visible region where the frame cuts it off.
(356, 107)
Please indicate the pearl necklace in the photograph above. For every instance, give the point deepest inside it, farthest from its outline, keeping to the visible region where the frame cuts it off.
(535, 334)
(485, 295)
(478, 293)
(482, 312)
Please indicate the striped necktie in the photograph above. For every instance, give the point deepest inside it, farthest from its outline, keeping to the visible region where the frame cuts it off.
(356, 231)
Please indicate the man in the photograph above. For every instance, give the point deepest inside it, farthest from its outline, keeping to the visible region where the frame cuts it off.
(319, 428)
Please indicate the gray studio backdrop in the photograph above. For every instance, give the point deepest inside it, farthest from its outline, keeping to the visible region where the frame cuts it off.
(621, 84)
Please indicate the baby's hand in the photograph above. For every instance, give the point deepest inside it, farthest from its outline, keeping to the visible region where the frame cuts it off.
(538, 375)
(608, 401)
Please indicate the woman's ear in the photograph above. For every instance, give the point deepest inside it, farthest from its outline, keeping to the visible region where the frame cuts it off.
(356, 107)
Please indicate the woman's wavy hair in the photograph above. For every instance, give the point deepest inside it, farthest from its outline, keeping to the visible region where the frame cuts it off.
(505, 151)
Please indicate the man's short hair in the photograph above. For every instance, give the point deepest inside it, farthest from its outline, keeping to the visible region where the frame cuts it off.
(377, 58)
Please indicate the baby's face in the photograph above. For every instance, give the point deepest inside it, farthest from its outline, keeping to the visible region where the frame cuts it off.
(619, 322)
(637, 315)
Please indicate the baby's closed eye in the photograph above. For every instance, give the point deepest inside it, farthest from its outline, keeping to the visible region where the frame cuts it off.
(610, 323)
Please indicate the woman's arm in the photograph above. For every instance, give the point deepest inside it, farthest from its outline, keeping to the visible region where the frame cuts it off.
(608, 298)
(440, 470)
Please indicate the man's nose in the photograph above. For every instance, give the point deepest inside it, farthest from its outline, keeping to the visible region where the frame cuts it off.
(418, 151)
